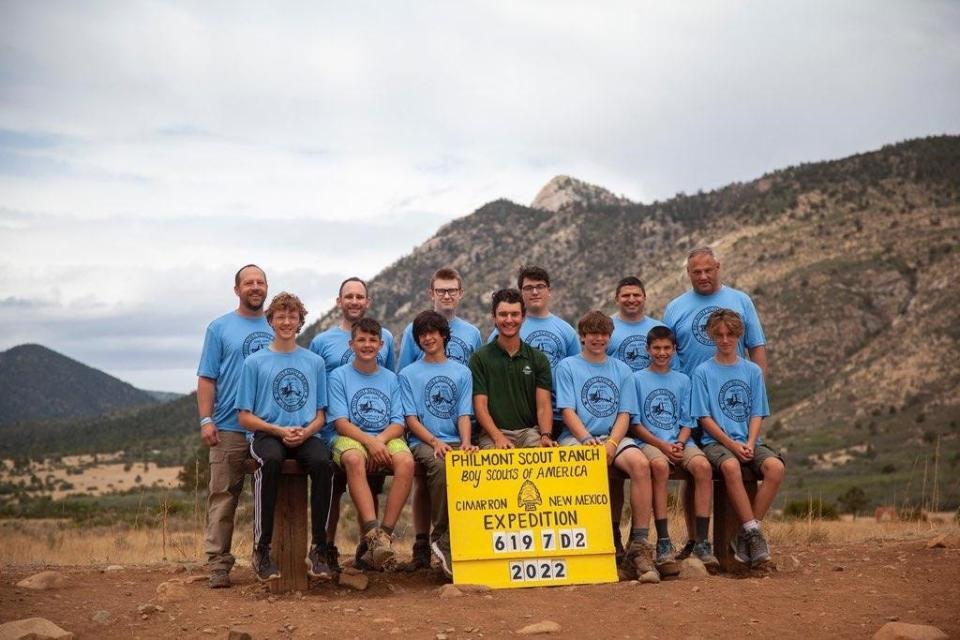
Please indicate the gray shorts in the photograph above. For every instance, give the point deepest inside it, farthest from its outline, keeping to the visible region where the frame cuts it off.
(717, 453)
(690, 451)
(626, 443)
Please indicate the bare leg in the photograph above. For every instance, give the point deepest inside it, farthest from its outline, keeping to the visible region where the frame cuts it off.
(355, 467)
(773, 473)
(699, 468)
(634, 463)
(400, 489)
(660, 472)
(736, 493)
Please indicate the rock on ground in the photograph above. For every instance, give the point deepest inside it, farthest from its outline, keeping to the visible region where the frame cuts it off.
(114, 567)
(905, 631)
(239, 634)
(450, 591)
(650, 577)
(356, 581)
(172, 591)
(44, 580)
(474, 588)
(102, 616)
(692, 569)
(34, 629)
(545, 626)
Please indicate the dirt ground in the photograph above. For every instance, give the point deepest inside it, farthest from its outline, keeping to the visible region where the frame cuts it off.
(846, 591)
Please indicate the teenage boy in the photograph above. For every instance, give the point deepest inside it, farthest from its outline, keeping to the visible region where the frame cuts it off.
(437, 395)
(511, 382)
(730, 401)
(664, 424)
(366, 411)
(333, 345)
(281, 400)
(596, 396)
(228, 341)
(446, 291)
(631, 325)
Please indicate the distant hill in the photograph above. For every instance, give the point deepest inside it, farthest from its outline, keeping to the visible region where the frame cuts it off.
(41, 384)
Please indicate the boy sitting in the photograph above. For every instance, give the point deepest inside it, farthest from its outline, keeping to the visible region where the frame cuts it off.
(437, 396)
(730, 401)
(596, 396)
(664, 424)
(365, 410)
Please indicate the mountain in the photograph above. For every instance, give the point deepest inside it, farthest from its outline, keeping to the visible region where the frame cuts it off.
(850, 263)
(41, 384)
(563, 192)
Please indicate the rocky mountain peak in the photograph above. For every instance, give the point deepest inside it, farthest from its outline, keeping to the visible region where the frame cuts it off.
(563, 191)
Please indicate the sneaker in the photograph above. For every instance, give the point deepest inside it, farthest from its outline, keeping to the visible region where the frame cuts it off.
(263, 565)
(441, 549)
(316, 564)
(219, 579)
(741, 552)
(703, 551)
(379, 554)
(665, 559)
(684, 553)
(421, 556)
(333, 558)
(759, 551)
(640, 553)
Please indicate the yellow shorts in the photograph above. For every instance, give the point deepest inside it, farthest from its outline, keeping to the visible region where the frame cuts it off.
(343, 443)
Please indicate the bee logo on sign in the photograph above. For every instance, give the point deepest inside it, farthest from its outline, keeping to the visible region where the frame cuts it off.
(530, 517)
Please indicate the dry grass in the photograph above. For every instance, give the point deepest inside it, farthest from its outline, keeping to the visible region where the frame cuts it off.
(92, 479)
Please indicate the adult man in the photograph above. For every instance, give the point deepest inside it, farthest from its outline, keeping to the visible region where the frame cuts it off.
(631, 325)
(333, 345)
(446, 291)
(511, 382)
(228, 341)
(283, 393)
(687, 314)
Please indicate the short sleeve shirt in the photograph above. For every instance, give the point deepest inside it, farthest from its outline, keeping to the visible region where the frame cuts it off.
(598, 392)
(464, 340)
(731, 394)
(283, 388)
(437, 394)
(510, 383)
(371, 401)
(333, 345)
(664, 403)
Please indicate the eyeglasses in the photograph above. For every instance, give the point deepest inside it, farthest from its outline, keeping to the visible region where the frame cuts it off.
(447, 292)
(534, 288)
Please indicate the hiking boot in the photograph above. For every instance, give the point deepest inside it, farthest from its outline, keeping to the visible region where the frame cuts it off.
(703, 551)
(333, 558)
(379, 553)
(741, 552)
(317, 564)
(358, 556)
(626, 569)
(421, 556)
(618, 549)
(640, 554)
(219, 579)
(684, 553)
(666, 560)
(263, 565)
(441, 549)
(758, 549)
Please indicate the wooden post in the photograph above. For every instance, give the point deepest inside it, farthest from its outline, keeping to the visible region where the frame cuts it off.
(290, 528)
(726, 524)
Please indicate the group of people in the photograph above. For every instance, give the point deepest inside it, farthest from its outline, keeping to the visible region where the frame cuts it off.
(687, 391)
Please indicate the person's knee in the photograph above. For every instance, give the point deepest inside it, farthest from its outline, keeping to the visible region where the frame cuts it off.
(660, 469)
(353, 462)
(403, 465)
(773, 470)
(700, 469)
(730, 468)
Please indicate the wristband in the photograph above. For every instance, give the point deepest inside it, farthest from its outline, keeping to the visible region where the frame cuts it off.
(545, 435)
(614, 442)
(205, 420)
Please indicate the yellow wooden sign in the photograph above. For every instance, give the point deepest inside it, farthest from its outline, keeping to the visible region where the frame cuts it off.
(530, 517)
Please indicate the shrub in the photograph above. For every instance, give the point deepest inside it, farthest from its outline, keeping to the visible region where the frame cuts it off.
(806, 509)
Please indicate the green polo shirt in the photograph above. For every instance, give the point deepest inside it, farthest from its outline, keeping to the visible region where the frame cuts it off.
(510, 383)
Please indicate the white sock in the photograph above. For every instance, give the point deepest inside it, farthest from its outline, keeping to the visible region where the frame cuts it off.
(751, 525)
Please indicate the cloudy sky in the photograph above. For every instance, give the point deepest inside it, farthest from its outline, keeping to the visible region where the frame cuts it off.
(147, 149)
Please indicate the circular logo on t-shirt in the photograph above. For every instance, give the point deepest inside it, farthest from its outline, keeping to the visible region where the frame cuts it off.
(370, 409)
(256, 341)
(600, 396)
(735, 400)
(440, 396)
(290, 390)
(660, 408)
(547, 342)
(458, 350)
(350, 356)
(633, 352)
(699, 327)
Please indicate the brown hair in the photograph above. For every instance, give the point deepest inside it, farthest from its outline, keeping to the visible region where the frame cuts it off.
(446, 273)
(728, 317)
(595, 322)
(287, 302)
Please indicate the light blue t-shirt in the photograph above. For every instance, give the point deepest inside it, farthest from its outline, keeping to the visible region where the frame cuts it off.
(228, 341)
(552, 335)
(598, 392)
(371, 401)
(664, 403)
(628, 343)
(687, 315)
(283, 388)
(333, 345)
(464, 340)
(437, 394)
(731, 394)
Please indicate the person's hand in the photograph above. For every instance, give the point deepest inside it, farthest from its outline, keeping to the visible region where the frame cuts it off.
(743, 452)
(675, 452)
(500, 441)
(294, 437)
(378, 456)
(611, 449)
(440, 448)
(210, 435)
(547, 440)
(466, 446)
(593, 441)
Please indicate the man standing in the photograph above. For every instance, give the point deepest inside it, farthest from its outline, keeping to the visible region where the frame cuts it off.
(333, 345)
(687, 314)
(511, 383)
(229, 340)
(631, 325)
(446, 291)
